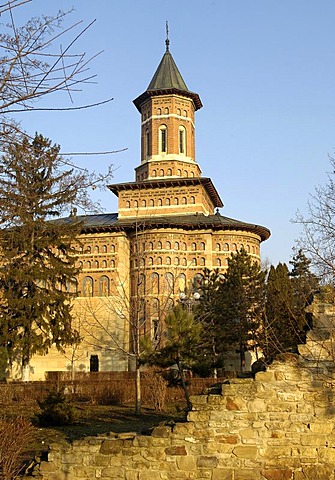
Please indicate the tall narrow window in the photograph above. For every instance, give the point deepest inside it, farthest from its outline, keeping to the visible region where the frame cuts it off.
(163, 138)
(94, 363)
(182, 140)
(147, 142)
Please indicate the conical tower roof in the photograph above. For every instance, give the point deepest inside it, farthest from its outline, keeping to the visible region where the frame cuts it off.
(167, 79)
(167, 75)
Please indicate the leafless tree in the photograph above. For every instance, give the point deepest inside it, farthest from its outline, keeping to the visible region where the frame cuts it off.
(317, 239)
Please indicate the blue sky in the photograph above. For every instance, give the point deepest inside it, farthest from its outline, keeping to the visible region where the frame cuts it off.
(264, 70)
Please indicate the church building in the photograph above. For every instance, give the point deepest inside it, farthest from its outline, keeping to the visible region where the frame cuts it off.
(138, 262)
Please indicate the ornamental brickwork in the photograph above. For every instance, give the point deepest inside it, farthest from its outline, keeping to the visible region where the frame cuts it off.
(167, 230)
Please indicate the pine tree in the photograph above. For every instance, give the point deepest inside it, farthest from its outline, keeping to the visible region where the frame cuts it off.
(37, 253)
(206, 311)
(241, 303)
(182, 342)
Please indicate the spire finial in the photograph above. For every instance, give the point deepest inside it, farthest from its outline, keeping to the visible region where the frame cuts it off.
(167, 41)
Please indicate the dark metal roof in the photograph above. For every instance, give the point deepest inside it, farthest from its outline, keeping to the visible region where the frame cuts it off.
(110, 222)
(167, 80)
(171, 182)
(167, 75)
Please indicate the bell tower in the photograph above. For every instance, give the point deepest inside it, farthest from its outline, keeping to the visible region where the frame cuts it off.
(167, 110)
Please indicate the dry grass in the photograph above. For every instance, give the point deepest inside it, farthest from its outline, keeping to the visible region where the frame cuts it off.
(104, 402)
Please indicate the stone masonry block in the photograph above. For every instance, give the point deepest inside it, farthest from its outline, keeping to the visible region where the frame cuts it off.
(277, 473)
(161, 432)
(186, 463)
(246, 451)
(111, 447)
(222, 474)
(176, 450)
(207, 462)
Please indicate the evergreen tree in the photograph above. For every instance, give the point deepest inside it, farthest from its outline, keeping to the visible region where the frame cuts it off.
(305, 283)
(280, 329)
(37, 253)
(240, 309)
(181, 346)
(207, 311)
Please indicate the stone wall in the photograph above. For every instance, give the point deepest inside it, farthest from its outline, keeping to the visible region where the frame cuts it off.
(279, 426)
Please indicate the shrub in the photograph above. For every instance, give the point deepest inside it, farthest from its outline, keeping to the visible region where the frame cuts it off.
(57, 410)
(14, 436)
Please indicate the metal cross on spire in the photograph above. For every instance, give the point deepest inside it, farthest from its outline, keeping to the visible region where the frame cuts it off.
(167, 41)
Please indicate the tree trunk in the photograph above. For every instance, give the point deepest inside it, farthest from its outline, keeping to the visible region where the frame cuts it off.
(183, 383)
(138, 404)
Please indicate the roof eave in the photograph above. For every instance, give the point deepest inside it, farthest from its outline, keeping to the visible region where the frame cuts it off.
(138, 102)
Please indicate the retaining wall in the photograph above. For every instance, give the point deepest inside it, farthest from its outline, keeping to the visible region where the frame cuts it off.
(279, 426)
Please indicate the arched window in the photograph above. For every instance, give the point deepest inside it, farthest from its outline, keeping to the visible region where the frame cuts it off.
(151, 203)
(150, 261)
(178, 111)
(198, 281)
(144, 203)
(112, 248)
(159, 111)
(88, 249)
(248, 248)
(154, 283)
(95, 264)
(159, 260)
(168, 260)
(202, 261)
(135, 204)
(194, 246)
(154, 173)
(71, 285)
(88, 264)
(194, 262)
(168, 283)
(127, 204)
(185, 173)
(176, 260)
(202, 246)
(112, 263)
(185, 113)
(182, 140)
(217, 247)
(192, 200)
(162, 141)
(184, 246)
(80, 264)
(96, 249)
(166, 111)
(184, 262)
(169, 172)
(104, 286)
(151, 246)
(179, 173)
(184, 201)
(104, 264)
(159, 245)
(176, 245)
(88, 287)
(234, 247)
(104, 249)
(160, 203)
(168, 245)
(181, 282)
(176, 201)
(218, 262)
(226, 247)
(167, 201)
